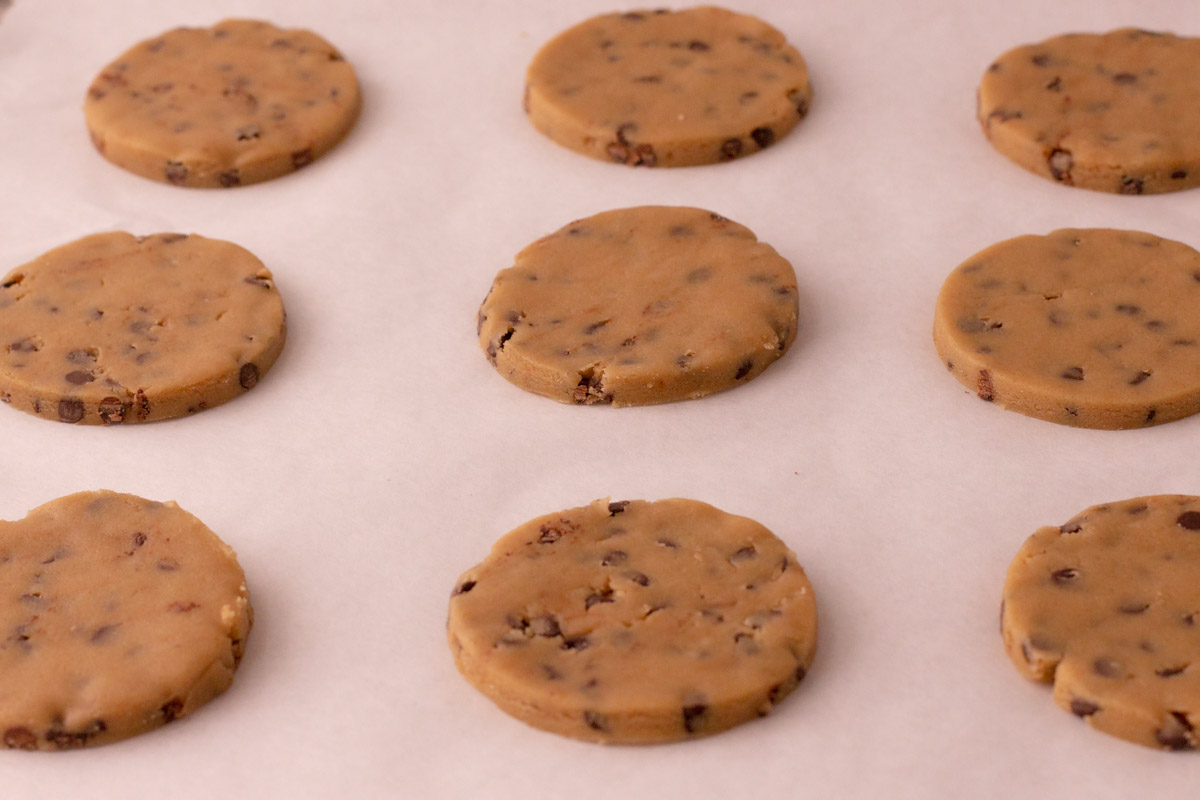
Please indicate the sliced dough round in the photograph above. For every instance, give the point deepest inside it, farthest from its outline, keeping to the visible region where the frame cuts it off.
(114, 328)
(668, 88)
(640, 306)
(119, 615)
(635, 622)
(1095, 328)
(237, 103)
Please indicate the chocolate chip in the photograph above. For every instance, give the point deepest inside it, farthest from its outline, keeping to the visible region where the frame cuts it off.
(171, 709)
(1170, 672)
(1174, 735)
(639, 578)
(1141, 376)
(1072, 374)
(175, 172)
(763, 137)
(578, 643)
(613, 558)
(1106, 668)
(1189, 520)
(744, 369)
(1131, 185)
(731, 148)
(1124, 78)
(24, 346)
(548, 534)
(1083, 708)
(745, 554)
(1179, 174)
(1127, 308)
(248, 376)
(102, 634)
(544, 626)
(1055, 85)
(1133, 608)
(551, 673)
(698, 46)
(167, 565)
(70, 410)
(463, 588)
(139, 539)
(1041, 59)
(20, 739)
(597, 722)
(693, 717)
(248, 132)
(1064, 577)
(112, 410)
(595, 326)
(302, 158)
(603, 596)
(229, 178)
(984, 386)
(79, 377)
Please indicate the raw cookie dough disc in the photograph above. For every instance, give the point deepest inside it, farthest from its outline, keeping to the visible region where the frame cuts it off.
(120, 614)
(635, 622)
(1118, 112)
(112, 328)
(639, 306)
(1105, 607)
(1093, 328)
(237, 103)
(668, 88)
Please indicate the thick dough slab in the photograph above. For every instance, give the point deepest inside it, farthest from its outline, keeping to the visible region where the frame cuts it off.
(1114, 112)
(640, 306)
(668, 88)
(635, 622)
(237, 103)
(118, 614)
(1095, 328)
(114, 328)
(1105, 606)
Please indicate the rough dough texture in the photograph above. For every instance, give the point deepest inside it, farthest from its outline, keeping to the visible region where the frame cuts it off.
(639, 306)
(635, 622)
(1093, 328)
(668, 88)
(1117, 112)
(1105, 607)
(237, 103)
(118, 615)
(112, 328)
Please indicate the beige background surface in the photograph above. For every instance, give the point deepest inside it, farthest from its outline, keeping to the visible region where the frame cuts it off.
(382, 455)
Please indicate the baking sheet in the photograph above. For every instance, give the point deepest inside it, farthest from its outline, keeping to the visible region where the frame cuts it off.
(382, 455)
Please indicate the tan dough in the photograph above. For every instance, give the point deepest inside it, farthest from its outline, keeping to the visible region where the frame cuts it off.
(116, 329)
(118, 615)
(668, 88)
(1094, 328)
(237, 103)
(639, 306)
(1105, 607)
(635, 622)
(1114, 112)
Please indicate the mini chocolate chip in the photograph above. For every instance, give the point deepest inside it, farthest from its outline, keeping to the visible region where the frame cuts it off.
(20, 739)
(175, 172)
(551, 673)
(112, 410)
(1124, 78)
(731, 148)
(668, 544)
(698, 46)
(1189, 520)
(578, 643)
(1083, 708)
(248, 132)
(70, 410)
(984, 386)
(595, 326)
(1106, 668)
(1174, 735)
(463, 588)
(171, 709)
(1133, 608)
(1064, 576)
(1127, 308)
(139, 539)
(614, 557)
(548, 534)
(639, 578)
(302, 158)
(1151, 414)
(745, 554)
(1072, 374)
(693, 717)
(603, 596)
(79, 377)
(763, 137)
(1131, 185)
(167, 565)
(617, 507)
(1170, 672)
(545, 626)
(248, 376)
(744, 369)
(1140, 377)
(1179, 174)
(596, 722)
(1041, 59)
(102, 634)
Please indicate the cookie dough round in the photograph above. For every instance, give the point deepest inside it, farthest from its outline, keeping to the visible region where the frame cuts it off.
(635, 622)
(1093, 328)
(668, 88)
(1105, 607)
(1114, 112)
(640, 306)
(114, 328)
(118, 614)
(237, 103)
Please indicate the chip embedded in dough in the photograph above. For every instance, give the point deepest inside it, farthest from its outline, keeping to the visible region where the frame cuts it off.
(639, 306)
(119, 614)
(114, 328)
(1094, 328)
(237, 103)
(1114, 112)
(1105, 607)
(635, 622)
(668, 88)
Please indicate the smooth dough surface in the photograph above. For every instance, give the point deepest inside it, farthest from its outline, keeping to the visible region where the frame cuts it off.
(1095, 328)
(237, 103)
(118, 614)
(114, 328)
(1114, 112)
(668, 88)
(639, 306)
(635, 622)
(1105, 606)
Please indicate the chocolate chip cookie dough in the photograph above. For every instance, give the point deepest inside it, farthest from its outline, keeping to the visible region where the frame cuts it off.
(118, 615)
(668, 88)
(114, 328)
(1114, 112)
(237, 103)
(635, 622)
(1094, 328)
(1105, 607)
(639, 306)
